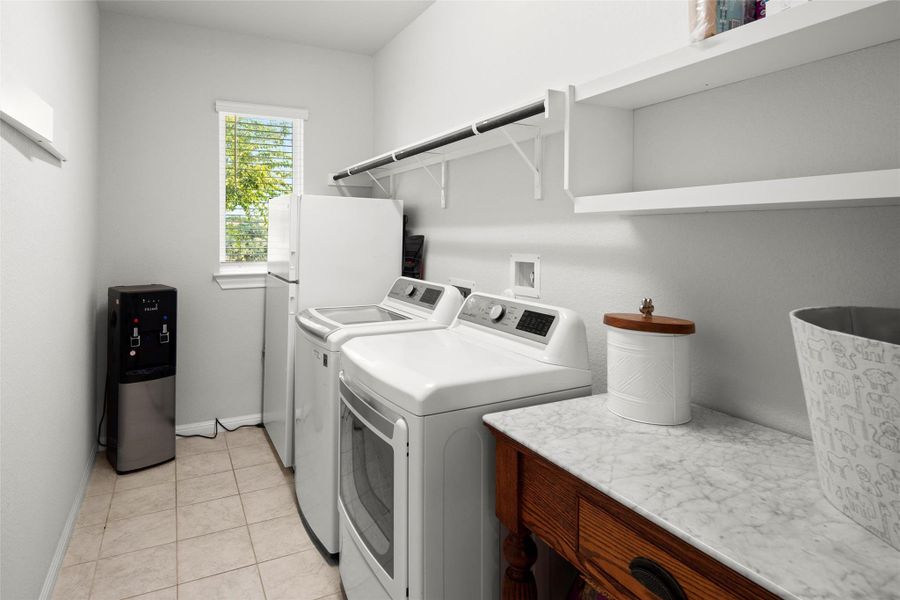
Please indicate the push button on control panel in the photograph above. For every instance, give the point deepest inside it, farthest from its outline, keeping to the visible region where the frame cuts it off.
(164, 334)
(135, 338)
(535, 322)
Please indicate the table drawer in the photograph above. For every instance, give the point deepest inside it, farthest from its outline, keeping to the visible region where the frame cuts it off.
(611, 551)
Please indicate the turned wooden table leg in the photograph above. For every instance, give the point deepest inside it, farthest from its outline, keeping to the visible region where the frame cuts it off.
(520, 552)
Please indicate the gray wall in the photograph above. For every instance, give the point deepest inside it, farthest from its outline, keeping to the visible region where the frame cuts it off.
(159, 190)
(47, 289)
(736, 274)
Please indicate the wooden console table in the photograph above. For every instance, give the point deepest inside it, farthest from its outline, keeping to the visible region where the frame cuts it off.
(620, 553)
(717, 508)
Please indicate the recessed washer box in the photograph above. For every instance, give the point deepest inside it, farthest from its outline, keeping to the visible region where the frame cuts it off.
(525, 274)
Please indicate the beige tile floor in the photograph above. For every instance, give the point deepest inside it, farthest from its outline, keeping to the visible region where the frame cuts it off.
(218, 522)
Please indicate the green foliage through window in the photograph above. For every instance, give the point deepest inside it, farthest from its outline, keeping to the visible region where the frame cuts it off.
(259, 165)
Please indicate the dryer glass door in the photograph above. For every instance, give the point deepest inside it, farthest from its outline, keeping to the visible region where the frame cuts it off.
(373, 482)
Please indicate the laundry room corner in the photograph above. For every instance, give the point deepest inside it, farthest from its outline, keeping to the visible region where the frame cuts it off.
(159, 86)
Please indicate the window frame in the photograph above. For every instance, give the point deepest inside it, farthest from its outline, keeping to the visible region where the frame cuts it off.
(242, 275)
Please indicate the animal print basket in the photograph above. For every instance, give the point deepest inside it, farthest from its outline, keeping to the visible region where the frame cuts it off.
(850, 366)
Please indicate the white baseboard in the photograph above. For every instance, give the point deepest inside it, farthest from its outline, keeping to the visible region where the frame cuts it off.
(208, 427)
(63, 544)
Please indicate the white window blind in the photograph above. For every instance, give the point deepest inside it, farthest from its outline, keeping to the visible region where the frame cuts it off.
(260, 157)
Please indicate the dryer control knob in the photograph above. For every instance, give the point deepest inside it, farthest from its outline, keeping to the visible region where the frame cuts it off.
(497, 312)
(410, 290)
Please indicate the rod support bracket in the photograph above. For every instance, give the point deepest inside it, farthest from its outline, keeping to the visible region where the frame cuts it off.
(442, 184)
(534, 167)
(378, 183)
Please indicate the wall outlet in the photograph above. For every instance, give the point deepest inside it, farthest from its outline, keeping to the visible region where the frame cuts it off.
(525, 275)
(465, 286)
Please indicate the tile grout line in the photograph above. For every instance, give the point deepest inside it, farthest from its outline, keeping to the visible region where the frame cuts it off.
(115, 491)
(310, 549)
(151, 591)
(247, 524)
(108, 520)
(262, 584)
(97, 562)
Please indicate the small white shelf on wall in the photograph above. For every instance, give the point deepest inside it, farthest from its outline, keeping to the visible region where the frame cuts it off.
(527, 123)
(27, 112)
(599, 124)
(864, 188)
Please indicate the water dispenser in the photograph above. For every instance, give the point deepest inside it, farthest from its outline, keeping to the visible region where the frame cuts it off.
(140, 376)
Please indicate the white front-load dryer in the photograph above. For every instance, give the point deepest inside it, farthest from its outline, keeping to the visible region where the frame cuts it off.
(410, 305)
(416, 491)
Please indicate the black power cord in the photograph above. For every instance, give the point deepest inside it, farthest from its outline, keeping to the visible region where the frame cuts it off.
(103, 415)
(218, 424)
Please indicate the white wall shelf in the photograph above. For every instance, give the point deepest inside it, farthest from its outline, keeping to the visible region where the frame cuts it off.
(806, 33)
(532, 129)
(27, 112)
(864, 188)
(600, 113)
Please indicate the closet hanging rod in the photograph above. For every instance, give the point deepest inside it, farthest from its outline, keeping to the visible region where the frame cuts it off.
(478, 127)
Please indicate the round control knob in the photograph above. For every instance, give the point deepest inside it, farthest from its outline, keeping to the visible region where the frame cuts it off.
(410, 290)
(496, 312)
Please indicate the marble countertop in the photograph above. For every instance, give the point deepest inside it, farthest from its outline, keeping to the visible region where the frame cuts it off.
(743, 493)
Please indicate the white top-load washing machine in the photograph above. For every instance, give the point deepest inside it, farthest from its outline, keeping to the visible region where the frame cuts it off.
(416, 462)
(410, 305)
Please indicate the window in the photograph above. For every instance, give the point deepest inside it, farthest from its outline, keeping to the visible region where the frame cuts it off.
(260, 157)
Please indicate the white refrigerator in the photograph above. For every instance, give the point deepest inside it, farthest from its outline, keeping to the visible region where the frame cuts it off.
(322, 251)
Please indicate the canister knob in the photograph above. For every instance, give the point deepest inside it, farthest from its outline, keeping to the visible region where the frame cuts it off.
(647, 307)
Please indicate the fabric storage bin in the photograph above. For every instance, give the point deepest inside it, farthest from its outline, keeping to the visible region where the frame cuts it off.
(849, 361)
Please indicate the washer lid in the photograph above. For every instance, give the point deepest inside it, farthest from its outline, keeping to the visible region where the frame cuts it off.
(430, 372)
(408, 301)
(351, 315)
(322, 322)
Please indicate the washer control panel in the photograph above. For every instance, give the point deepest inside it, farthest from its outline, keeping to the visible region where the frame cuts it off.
(417, 293)
(509, 316)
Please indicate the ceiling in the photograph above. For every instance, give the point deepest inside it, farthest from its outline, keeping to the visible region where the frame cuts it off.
(362, 26)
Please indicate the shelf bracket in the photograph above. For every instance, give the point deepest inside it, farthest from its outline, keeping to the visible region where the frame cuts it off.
(378, 183)
(535, 166)
(568, 144)
(442, 184)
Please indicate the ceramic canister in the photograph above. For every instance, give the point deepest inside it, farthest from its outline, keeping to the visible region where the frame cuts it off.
(648, 366)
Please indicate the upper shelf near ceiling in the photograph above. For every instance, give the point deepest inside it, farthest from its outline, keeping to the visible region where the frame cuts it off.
(597, 117)
(532, 120)
(813, 31)
(810, 32)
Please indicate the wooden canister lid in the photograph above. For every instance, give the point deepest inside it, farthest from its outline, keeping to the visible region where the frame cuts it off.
(651, 324)
(647, 322)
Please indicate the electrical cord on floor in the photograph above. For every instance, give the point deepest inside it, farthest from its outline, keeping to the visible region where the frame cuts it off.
(216, 432)
(103, 415)
(218, 423)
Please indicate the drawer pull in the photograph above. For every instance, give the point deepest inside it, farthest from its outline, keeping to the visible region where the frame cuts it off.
(656, 579)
